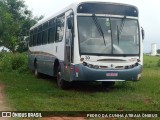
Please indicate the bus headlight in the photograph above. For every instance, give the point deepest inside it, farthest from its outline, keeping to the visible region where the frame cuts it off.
(84, 63)
(90, 65)
(96, 67)
(82, 59)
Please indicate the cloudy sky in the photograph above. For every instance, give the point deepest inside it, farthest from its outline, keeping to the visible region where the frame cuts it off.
(148, 11)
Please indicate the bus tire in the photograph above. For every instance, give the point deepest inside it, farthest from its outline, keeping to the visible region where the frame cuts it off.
(62, 84)
(108, 84)
(36, 73)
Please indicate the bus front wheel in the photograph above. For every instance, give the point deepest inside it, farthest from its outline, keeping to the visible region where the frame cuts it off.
(62, 84)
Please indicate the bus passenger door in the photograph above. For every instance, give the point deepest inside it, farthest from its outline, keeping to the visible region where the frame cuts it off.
(68, 48)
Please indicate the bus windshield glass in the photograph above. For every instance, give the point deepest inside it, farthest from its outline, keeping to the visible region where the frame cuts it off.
(120, 36)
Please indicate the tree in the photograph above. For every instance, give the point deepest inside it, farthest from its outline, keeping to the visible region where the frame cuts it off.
(5, 18)
(15, 22)
(158, 51)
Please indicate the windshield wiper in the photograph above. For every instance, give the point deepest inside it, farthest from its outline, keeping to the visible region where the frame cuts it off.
(119, 31)
(99, 28)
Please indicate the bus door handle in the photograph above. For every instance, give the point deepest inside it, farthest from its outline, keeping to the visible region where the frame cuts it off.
(56, 48)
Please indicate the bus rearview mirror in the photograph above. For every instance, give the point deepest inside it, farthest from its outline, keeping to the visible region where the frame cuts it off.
(143, 33)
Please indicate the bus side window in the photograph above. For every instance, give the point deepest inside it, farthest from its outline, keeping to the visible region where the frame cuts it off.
(31, 38)
(31, 41)
(51, 31)
(45, 36)
(45, 33)
(34, 43)
(35, 37)
(51, 35)
(60, 28)
(39, 39)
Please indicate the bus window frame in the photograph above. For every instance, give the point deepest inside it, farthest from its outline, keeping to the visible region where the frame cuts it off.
(57, 39)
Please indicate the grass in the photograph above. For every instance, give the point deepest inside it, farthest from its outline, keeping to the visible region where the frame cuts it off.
(151, 61)
(26, 93)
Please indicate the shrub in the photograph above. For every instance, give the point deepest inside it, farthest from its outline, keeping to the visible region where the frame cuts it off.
(1, 56)
(158, 63)
(5, 62)
(14, 62)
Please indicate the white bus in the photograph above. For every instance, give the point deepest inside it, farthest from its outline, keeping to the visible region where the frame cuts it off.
(88, 41)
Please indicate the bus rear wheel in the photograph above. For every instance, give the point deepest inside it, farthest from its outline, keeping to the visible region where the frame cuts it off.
(62, 84)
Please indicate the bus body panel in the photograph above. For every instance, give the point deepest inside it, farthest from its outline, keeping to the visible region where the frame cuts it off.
(45, 57)
(45, 63)
(131, 74)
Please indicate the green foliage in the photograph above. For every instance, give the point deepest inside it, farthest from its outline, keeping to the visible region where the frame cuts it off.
(158, 63)
(13, 62)
(150, 63)
(15, 22)
(158, 51)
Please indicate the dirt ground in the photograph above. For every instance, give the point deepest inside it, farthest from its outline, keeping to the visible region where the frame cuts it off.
(3, 107)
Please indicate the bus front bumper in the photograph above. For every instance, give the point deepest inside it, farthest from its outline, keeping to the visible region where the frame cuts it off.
(83, 73)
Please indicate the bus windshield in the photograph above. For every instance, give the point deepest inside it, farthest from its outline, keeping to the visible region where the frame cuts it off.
(120, 36)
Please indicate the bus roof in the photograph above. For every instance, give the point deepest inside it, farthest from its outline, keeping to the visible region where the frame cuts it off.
(74, 6)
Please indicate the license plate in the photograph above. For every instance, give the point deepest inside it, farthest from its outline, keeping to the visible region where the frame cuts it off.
(112, 74)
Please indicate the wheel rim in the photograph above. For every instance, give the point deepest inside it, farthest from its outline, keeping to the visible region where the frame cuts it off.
(36, 72)
(59, 78)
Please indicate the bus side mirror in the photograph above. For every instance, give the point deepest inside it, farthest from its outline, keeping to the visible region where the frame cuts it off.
(70, 22)
(143, 33)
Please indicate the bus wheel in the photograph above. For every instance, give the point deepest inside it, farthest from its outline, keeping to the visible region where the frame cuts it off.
(108, 84)
(36, 73)
(60, 82)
